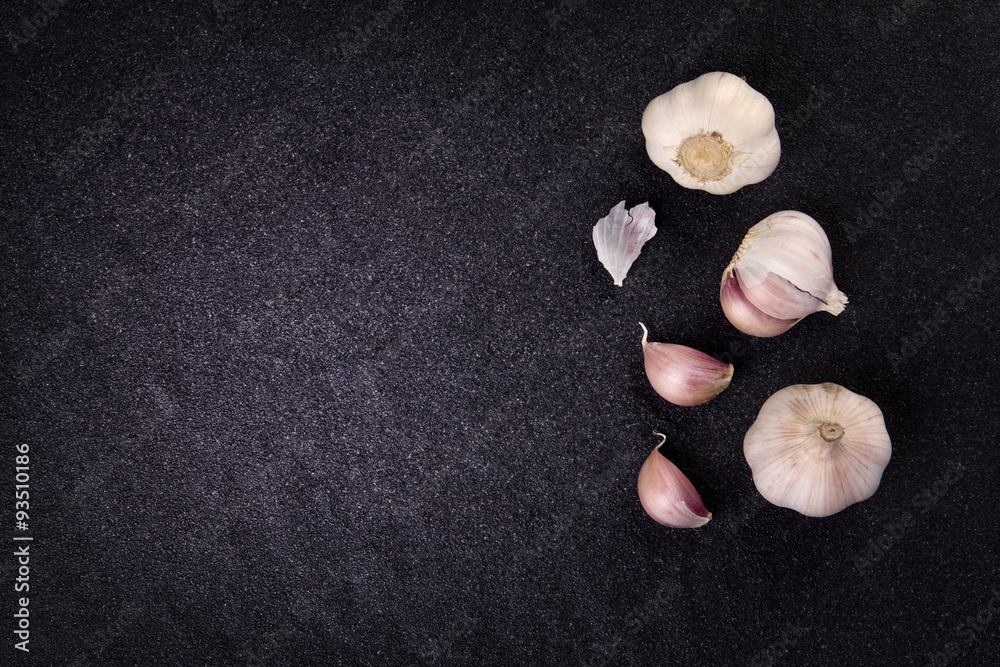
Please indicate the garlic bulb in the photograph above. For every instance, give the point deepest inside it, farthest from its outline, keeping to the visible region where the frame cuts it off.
(667, 495)
(817, 448)
(782, 271)
(715, 133)
(620, 236)
(682, 375)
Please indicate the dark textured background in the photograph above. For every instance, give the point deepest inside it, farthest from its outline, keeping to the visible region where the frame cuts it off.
(303, 324)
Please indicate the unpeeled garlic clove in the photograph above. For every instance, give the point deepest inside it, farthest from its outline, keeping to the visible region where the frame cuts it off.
(817, 449)
(667, 495)
(682, 375)
(782, 272)
(715, 133)
(744, 315)
(620, 235)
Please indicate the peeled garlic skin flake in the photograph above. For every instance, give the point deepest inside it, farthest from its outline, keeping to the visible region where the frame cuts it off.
(620, 236)
(817, 448)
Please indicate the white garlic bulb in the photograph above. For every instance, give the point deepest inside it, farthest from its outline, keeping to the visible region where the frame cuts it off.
(715, 133)
(782, 271)
(817, 448)
(667, 495)
(620, 236)
(683, 375)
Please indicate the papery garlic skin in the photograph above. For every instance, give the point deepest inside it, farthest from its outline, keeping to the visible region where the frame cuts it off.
(667, 495)
(620, 236)
(817, 449)
(682, 375)
(782, 272)
(714, 133)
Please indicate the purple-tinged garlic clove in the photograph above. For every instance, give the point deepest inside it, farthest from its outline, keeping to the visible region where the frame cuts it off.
(667, 495)
(682, 375)
(744, 315)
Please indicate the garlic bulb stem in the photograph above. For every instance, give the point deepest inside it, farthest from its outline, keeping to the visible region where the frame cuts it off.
(831, 432)
(706, 156)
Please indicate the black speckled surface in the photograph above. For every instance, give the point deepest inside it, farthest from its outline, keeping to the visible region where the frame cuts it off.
(306, 334)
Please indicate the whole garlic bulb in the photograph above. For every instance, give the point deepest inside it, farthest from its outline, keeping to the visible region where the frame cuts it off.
(782, 271)
(683, 375)
(667, 495)
(817, 448)
(715, 133)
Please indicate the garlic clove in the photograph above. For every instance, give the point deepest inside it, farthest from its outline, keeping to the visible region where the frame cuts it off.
(620, 236)
(682, 375)
(714, 133)
(744, 315)
(667, 495)
(817, 448)
(784, 268)
(777, 297)
(791, 246)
